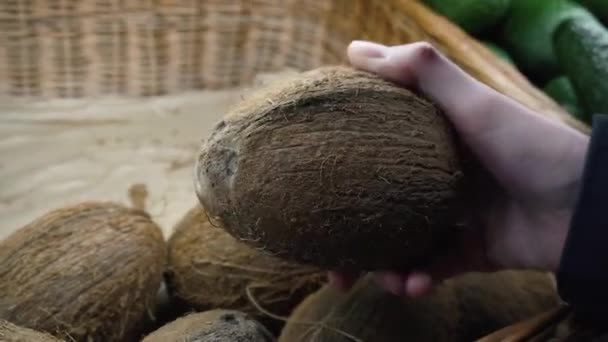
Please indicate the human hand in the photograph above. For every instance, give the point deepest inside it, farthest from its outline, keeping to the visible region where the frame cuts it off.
(536, 162)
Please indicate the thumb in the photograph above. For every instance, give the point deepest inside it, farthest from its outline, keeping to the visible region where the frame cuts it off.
(500, 131)
(421, 66)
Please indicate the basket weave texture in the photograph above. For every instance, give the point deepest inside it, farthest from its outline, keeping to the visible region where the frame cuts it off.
(87, 48)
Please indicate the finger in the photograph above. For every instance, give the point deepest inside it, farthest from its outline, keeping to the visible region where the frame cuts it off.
(341, 281)
(418, 284)
(466, 253)
(471, 105)
(374, 57)
(414, 284)
(421, 66)
(498, 129)
(392, 282)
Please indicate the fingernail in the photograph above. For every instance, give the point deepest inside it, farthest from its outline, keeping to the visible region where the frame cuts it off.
(393, 283)
(367, 49)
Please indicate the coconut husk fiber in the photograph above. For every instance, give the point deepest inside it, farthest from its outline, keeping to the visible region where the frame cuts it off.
(208, 268)
(212, 326)
(315, 167)
(13, 333)
(88, 272)
(462, 309)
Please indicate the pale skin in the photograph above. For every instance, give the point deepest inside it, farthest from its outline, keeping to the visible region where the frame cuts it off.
(536, 162)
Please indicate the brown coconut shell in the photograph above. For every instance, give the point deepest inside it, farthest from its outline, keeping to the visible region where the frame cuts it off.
(88, 272)
(488, 302)
(212, 326)
(13, 333)
(208, 269)
(316, 167)
(462, 309)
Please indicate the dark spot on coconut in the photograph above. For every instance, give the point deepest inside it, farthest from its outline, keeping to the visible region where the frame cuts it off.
(220, 125)
(229, 318)
(231, 163)
(168, 275)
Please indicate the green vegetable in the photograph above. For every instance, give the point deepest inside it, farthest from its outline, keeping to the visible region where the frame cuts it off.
(561, 90)
(528, 31)
(598, 7)
(474, 16)
(581, 47)
(498, 51)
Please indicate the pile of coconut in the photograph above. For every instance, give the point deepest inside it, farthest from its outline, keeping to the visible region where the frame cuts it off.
(330, 169)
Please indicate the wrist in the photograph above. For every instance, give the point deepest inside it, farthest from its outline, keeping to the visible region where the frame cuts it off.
(556, 242)
(574, 160)
(549, 217)
(545, 245)
(581, 275)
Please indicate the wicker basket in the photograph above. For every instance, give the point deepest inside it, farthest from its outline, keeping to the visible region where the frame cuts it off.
(83, 48)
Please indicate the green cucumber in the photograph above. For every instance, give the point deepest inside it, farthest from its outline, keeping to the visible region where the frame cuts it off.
(581, 47)
(474, 16)
(560, 89)
(528, 31)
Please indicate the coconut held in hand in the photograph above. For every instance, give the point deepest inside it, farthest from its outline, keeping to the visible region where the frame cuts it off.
(335, 167)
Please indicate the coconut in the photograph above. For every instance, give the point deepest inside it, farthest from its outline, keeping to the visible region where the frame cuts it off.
(488, 302)
(317, 167)
(13, 333)
(88, 272)
(209, 269)
(462, 309)
(368, 313)
(212, 326)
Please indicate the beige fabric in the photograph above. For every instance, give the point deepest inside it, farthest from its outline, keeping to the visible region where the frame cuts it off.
(62, 152)
(59, 152)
